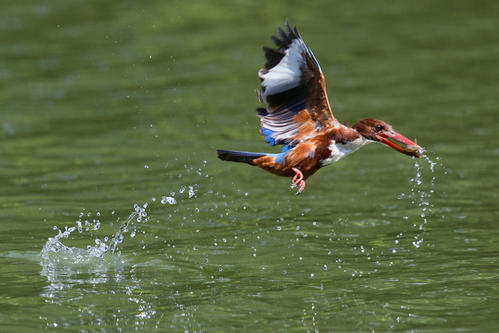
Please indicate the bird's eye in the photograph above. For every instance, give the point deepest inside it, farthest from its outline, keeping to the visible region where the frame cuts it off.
(378, 128)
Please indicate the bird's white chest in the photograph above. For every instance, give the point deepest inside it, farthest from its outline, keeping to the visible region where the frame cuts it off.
(340, 150)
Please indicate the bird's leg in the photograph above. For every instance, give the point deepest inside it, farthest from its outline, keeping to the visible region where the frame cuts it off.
(297, 177)
(298, 180)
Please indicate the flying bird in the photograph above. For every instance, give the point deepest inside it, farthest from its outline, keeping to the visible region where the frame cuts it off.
(298, 116)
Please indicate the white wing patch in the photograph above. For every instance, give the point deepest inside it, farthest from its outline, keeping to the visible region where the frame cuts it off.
(286, 74)
(293, 110)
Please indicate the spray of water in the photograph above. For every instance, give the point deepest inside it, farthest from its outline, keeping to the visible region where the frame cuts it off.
(421, 193)
(101, 261)
(55, 250)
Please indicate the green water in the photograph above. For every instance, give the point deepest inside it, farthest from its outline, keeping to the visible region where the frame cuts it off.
(107, 105)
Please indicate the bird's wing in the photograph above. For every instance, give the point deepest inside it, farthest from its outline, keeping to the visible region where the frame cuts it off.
(293, 91)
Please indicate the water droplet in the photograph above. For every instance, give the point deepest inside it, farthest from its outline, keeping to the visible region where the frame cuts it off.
(169, 200)
(191, 192)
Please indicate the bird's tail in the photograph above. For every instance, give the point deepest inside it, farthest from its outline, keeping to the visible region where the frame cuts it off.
(238, 156)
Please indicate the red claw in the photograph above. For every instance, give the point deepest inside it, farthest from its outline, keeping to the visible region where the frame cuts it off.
(298, 180)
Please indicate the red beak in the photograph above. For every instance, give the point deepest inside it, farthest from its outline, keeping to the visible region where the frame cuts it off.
(400, 143)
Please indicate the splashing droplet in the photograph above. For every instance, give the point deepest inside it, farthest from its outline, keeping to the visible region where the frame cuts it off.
(168, 200)
(191, 192)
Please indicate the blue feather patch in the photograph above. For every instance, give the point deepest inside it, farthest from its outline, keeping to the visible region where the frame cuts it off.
(280, 158)
(286, 148)
(268, 136)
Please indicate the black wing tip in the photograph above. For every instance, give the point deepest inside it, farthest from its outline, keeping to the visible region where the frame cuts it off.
(284, 39)
(272, 56)
(262, 112)
(293, 31)
(286, 35)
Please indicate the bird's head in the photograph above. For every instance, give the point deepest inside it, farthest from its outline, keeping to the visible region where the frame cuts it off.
(379, 131)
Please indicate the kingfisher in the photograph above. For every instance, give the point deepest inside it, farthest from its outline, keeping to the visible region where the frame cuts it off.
(298, 116)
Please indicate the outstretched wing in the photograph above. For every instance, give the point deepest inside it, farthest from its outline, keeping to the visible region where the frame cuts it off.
(293, 91)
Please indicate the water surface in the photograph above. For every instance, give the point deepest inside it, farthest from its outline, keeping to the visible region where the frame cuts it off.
(115, 214)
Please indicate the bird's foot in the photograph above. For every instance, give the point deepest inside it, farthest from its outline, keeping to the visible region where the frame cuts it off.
(298, 180)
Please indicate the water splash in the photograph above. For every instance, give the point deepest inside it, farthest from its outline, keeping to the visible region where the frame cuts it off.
(421, 194)
(100, 263)
(55, 250)
(91, 258)
(168, 200)
(139, 215)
